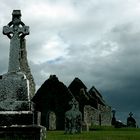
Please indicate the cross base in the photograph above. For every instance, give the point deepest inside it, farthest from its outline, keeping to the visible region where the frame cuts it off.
(22, 132)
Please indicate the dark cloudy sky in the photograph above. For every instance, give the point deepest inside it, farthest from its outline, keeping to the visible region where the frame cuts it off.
(95, 40)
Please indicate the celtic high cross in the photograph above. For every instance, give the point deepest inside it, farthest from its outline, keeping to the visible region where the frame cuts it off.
(15, 30)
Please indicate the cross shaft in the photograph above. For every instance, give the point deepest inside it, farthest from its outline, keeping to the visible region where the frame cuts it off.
(16, 31)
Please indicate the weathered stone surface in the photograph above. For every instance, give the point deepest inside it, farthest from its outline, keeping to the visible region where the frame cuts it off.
(73, 118)
(105, 113)
(100, 116)
(24, 67)
(14, 86)
(8, 118)
(17, 117)
(15, 30)
(91, 115)
(14, 92)
(22, 132)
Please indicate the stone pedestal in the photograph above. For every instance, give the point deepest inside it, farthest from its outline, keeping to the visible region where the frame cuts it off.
(22, 132)
(17, 118)
(8, 118)
(14, 92)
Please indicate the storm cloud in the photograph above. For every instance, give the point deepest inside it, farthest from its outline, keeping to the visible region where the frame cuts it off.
(97, 41)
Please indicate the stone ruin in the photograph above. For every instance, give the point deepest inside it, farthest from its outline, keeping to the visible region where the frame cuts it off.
(18, 120)
(53, 98)
(95, 110)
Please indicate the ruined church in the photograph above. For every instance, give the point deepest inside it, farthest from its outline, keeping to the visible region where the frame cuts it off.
(52, 100)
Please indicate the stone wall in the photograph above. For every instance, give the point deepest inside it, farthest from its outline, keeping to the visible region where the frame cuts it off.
(105, 112)
(101, 116)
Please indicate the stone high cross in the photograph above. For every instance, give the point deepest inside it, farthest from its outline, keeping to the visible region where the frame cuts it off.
(16, 31)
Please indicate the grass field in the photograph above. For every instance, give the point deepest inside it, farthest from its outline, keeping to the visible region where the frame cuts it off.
(98, 134)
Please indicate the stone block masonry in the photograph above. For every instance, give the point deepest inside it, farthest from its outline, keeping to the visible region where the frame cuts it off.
(101, 116)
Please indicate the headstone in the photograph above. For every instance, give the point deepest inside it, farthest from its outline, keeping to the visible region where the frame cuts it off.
(131, 122)
(16, 109)
(73, 118)
(113, 121)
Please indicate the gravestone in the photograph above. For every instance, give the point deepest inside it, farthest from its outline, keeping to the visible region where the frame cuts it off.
(17, 118)
(73, 118)
(131, 122)
(113, 121)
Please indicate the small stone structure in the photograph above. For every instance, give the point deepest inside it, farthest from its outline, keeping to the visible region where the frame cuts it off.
(113, 121)
(17, 118)
(73, 118)
(131, 122)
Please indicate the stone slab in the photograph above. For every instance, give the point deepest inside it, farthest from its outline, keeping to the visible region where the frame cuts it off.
(23, 132)
(8, 118)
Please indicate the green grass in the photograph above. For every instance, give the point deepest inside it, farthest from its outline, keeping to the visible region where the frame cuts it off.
(98, 134)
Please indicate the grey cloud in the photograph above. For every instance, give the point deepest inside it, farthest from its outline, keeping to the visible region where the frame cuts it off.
(92, 37)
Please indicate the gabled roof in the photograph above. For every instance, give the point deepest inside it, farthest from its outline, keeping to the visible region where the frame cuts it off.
(52, 93)
(94, 93)
(76, 85)
(79, 90)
